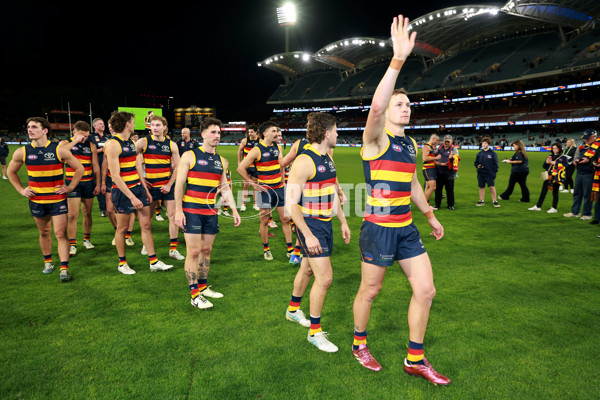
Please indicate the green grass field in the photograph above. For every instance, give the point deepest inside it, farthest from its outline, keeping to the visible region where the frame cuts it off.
(516, 314)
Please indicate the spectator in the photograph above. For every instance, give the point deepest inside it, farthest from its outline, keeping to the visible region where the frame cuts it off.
(486, 163)
(555, 164)
(569, 151)
(3, 154)
(584, 178)
(445, 173)
(518, 172)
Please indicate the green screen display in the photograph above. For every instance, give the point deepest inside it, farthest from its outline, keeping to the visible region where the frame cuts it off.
(140, 113)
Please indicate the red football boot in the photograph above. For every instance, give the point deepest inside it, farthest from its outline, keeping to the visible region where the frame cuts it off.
(426, 371)
(364, 357)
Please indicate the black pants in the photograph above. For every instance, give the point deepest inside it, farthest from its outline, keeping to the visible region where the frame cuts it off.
(555, 187)
(569, 177)
(447, 181)
(521, 179)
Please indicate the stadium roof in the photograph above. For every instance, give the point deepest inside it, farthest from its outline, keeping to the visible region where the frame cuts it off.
(444, 32)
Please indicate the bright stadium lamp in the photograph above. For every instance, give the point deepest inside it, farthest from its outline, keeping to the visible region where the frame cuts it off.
(286, 16)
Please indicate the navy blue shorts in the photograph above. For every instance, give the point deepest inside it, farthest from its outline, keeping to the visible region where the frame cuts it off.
(123, 205)
(252, 171)
(323, 231)
(40, 210)
(201, 224)
(272, 198)
(483, 180)
(158, 195)
(84, 190)
(430, 174)
(382, 246)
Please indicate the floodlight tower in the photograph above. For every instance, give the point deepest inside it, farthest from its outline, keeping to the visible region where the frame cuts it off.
(286, 16)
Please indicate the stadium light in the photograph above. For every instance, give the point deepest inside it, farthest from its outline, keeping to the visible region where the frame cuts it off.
(286, 17)
(286, 14)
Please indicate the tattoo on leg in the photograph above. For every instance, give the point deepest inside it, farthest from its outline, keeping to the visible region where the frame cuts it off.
(203, 268)
(192, 277)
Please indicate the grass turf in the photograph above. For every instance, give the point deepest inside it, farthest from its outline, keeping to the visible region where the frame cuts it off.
(516, 313)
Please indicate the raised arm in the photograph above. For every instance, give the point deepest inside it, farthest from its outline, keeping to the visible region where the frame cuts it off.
(402, 43)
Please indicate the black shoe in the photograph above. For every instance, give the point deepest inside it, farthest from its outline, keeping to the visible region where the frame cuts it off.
(450, 208)
(438, 206)
(595, 222)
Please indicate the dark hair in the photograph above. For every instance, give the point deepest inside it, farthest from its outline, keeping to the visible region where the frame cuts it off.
(208, 122)
(487, 139)
(253, 127)
(319, 124)
(521, 147)
(81, 126)
(266, 125)
(557, 144)
(42, 121)
(119, 119)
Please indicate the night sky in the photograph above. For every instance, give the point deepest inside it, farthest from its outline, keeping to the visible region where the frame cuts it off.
(202, 53)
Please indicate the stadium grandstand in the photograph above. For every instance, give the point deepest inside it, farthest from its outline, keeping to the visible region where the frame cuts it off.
(523, 69)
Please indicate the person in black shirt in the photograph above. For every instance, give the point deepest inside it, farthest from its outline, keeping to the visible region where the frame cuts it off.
(570, 152)
(3, 154)
(518, 172)
(99, 138)
(486, 163)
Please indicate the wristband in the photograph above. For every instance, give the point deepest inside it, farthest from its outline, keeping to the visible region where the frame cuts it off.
(429, 214)
(396, 64)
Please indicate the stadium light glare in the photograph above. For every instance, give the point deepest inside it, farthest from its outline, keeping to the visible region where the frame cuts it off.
(286, 14)
(305, 57)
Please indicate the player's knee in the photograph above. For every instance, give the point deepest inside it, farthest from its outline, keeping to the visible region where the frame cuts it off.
(369, 292)
(325, 281)
(285, 220)
(60, 233)
(193, 253)
(425, 293)
(206, 250)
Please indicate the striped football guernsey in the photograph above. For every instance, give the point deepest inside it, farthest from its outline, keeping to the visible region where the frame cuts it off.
(157, 159)
(127, 162)
(203, 180)
(319, 191)
(431, 163)
(388, 176)
(45, 171)
(249, 146)
(302, 146)
(82, 152)
(268, 167)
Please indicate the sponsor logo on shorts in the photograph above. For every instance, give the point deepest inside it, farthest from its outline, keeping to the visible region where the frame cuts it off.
(63, 207)
(386, 256)
(368, 257)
